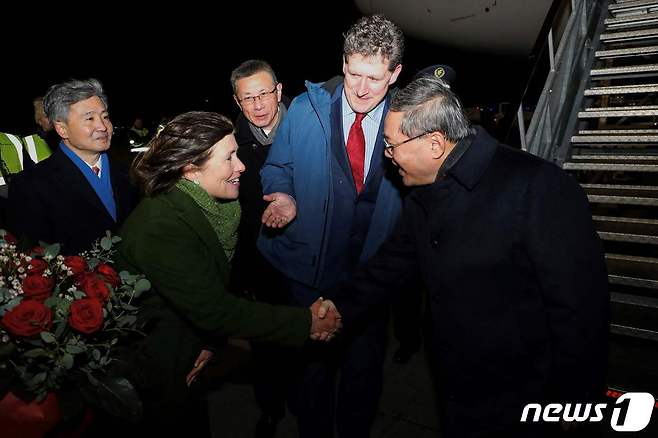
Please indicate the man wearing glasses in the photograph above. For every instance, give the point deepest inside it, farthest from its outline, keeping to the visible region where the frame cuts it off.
(258, 94)
(514, 270)
(332, 203)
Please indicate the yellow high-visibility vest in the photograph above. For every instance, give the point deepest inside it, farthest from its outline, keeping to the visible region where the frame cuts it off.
(36, 147)
(11, 153)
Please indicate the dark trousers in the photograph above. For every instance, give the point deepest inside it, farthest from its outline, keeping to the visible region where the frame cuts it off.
(406, 314)
(356, 359)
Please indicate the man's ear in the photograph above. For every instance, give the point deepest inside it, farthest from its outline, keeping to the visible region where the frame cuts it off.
(396, 73)
(237, 102)
(279, 88)
(439, 145)
(61, 129)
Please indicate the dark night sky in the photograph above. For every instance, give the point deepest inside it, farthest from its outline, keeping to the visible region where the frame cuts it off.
(164, 66)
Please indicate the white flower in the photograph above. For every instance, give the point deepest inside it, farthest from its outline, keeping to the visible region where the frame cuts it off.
(28, 258)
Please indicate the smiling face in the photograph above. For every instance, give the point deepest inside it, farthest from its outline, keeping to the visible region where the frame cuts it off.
(418, 160)
(367, 79)
(220, 174)
(264, 110)
(87, 130)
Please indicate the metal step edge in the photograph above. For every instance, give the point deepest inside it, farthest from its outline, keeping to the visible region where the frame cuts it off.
(631, 258)
(627, 69)
(611, 167)
(617, 113)
(631, 19)
(614, 139)
(623, 6)
(623, 89)
(626, 237)
(632, 281)
(626, 52)
(634, 300)
(619, 187)
(623, 200)
(628, 35)
(610, 157)
(622, 108)
(617, 131)
(634, 332)
(631, 220)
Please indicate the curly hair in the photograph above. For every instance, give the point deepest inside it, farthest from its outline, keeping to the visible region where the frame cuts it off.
(375, 35)
(185, 140)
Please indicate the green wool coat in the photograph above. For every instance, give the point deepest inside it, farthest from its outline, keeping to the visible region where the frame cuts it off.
(168, 239)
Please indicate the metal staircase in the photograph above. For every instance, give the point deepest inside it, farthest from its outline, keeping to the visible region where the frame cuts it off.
(597, 117)
(614, 155)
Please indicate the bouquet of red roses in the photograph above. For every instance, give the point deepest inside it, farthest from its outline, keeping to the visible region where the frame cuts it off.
(61, 322)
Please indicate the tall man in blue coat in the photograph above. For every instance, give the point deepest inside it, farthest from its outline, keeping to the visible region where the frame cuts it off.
(505, 246)
(332, 203)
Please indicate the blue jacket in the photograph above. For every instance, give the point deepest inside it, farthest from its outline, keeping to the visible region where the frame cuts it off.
(299, 163)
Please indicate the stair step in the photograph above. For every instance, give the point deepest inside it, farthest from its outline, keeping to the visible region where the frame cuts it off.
(631, 20)
(626, 237)
(632, 6)
(626, 52)
(634, 332)
(622, 89)
(629, 35)
(634, 300)
(610, 157)
(625, 69)
(632, 281)
(612, 167)
(623, 200)
(593, 113)
(645, 268)
(621, 190)
(614, 138)
(617, 131)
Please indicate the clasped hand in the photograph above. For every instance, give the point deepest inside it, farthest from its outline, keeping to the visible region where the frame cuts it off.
(326, 321)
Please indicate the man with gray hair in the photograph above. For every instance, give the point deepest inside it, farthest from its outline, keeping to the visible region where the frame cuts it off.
(513, 268)
(331, 204)
(74, 196)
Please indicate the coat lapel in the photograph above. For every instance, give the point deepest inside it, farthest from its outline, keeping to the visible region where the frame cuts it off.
(67, 175)
(192, 215)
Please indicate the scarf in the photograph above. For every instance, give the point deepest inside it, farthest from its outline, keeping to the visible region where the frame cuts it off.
(223, 216)
(260, 135)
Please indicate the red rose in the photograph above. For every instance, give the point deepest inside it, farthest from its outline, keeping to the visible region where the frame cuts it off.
(109, 274)
(28, 318)
(10, 239)
(36, 267)
(76, 263)
(37, 287)
(86, 315)
(94, 286)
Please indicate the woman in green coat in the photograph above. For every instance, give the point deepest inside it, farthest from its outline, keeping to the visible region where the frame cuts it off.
(182, 236)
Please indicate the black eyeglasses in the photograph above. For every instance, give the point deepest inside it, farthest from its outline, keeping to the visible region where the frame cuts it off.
(252, 99)
(388, 147)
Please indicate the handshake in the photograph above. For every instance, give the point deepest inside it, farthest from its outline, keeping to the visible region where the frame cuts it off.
(326, 321)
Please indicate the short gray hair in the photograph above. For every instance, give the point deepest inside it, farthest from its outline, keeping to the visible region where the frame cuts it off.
(250, 68)
(375, 35)
(429, 105)
(60, 97)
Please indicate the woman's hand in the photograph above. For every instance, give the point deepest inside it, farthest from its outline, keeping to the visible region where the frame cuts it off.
(199, 363)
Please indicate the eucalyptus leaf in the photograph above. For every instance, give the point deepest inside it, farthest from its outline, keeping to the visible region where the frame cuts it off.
(78, 294)
(48, 337)
(142, 285)
(106, 243)
(116, 239)
(127, 320)
(10, 305)
(96, 354)
(38, 378)
(75, 348)
(36, 352)
(59, 329)
(52, 250)
(52, 301)
(67, 361)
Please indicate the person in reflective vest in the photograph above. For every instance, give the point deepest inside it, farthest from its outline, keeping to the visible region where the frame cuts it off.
(40, 145)
(11, 154)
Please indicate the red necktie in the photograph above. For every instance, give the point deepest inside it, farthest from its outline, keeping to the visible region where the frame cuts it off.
(356, 150)
(96, 170)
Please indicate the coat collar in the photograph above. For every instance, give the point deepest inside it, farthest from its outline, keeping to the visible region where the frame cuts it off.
(468, 170)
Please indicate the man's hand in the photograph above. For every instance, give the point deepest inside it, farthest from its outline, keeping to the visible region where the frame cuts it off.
(326, 321)
(281, 210)
(199, 363)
